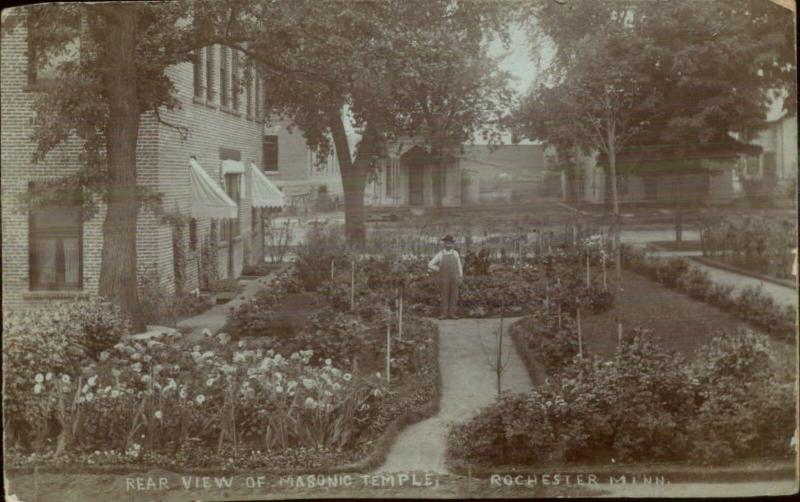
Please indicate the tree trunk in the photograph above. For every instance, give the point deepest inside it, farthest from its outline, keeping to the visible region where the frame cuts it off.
(118, 266)
(354, 178)
(612, 169)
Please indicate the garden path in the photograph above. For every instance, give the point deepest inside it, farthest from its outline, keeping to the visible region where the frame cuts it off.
(783, 295)
(214, 318)
(466, 347)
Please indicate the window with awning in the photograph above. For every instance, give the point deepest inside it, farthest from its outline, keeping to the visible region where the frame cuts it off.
(208, 199)
(263, 191)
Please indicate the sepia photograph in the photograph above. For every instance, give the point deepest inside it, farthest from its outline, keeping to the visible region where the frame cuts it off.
(399, 249)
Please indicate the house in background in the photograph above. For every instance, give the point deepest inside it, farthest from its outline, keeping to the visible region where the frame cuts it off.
(698, 173)
(507, 172)
(301, 173)
(778, 158)
(211, 179)
(404, 177)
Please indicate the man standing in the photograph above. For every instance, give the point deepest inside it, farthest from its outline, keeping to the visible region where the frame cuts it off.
(448, 264)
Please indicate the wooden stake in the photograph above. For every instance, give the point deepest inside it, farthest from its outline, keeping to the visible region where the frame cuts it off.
(580, 335)
(333, 268)
(605, 280)
(388, 353)
(400, 318)
(619, 332)
(352, 284)
(588, 273)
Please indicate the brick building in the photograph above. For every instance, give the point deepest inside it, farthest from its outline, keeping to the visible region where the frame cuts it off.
(54, 253)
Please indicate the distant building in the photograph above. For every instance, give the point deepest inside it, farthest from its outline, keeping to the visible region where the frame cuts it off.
(300, 172)
(778, 157)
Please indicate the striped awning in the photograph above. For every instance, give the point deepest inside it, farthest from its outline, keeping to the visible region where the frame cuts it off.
(208, 199)
(264, 192)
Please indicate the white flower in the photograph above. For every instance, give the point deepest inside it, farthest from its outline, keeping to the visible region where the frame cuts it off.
(308, 383)
(209, 382)
(157, 369)
(347, 377)
(89, 396)
(336, 386)
(183, 393)
(241, 344)
(158, 414)
(48, 376)
(115, 393)
(137, 367)
(279, 376)
(310, 403)
(206, 332)
(65, 378)
(39, 378)
(200, 399)
(328, 362)
(136, 356)
(37, 388)
(147, 358)
(279, 389)
(92, 380)
(115, 372)
(145, 378)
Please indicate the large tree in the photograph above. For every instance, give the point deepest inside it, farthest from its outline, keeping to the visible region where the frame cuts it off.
(665, 80)
(98, 100)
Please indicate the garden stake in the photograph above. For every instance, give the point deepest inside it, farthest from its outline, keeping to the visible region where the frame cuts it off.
(605, 281)
(400, 318)
(353, 284)
(619, 332)
(388, 353)
(588, 273)
(580, 335)
(333, 268)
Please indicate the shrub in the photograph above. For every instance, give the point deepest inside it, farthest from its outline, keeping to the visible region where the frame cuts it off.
(257, 269)
(322, 247)
(551, 345)
(38, 345)
(743, 409)
(255, 317)
(646, 404)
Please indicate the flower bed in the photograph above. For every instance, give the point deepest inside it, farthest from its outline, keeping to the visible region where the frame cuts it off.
(646, 404)
(758, 244)
(750, 304)
(304, 400)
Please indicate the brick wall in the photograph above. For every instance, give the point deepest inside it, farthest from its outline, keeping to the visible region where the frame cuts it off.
(162, 164)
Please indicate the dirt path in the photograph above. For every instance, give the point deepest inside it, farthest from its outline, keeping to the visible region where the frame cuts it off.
(468, 383)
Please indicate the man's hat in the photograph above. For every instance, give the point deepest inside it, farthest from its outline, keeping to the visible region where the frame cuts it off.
(448, 238)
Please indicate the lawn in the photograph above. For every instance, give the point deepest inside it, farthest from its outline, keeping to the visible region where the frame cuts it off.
(682, 323)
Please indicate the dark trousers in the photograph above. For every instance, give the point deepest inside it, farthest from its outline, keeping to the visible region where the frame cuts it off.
(449, 296)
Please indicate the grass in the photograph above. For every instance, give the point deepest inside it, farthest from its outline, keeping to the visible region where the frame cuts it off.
(682, 323)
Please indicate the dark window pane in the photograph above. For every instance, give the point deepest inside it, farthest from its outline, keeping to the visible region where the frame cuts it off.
(270, 153)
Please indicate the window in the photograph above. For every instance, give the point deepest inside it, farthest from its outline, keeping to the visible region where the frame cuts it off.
(44, 62)
(233, 189)
(193, 234)
(210, 73)
(223, 75)
(270, 153)
(199, 90)
(55, 248)
(235, 79)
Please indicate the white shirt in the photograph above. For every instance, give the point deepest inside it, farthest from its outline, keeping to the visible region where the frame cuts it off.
(433, 265)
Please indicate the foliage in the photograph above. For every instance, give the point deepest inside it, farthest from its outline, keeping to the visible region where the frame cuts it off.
(70, 335)
(646, 404)
(259, 269)
(163, 308)
(750, 304)
(255, 317)
(759, 244)
(613, 90)
(277, 239)
(477, 263)
(553, 343)
(225, 286)
(323, 250)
